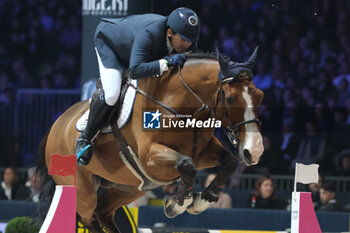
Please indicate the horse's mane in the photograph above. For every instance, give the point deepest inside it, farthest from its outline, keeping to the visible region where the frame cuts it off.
(211, 56)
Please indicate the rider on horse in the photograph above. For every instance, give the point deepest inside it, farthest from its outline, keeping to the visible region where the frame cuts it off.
(143, 44)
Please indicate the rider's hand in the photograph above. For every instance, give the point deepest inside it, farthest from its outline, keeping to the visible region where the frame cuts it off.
(175, 60)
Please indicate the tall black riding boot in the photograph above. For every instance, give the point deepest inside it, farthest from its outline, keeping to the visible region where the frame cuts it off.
(98, 115)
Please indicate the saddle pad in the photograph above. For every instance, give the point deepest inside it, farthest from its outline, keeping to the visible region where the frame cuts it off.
(124, 115)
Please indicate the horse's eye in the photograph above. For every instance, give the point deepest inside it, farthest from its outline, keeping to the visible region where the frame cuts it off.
(230, 100)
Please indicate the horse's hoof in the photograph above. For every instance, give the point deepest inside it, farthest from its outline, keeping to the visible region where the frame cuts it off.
(169, 210)
(198, 205)
(95, 228)
(172, 209)
(209, 195)
(107, 223)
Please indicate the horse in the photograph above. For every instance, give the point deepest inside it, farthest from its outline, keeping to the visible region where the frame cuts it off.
(206, 87)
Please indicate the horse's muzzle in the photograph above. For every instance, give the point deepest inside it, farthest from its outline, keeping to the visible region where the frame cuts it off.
(247, 158)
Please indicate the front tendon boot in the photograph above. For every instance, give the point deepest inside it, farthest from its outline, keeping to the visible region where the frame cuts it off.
(99, 112)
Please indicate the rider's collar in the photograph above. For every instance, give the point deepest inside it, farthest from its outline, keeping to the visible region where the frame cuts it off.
(168, 45)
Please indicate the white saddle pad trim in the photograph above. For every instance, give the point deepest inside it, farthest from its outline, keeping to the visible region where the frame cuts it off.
(125, 112)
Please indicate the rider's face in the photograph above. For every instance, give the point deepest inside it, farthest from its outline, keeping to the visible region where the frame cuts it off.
(180, 45)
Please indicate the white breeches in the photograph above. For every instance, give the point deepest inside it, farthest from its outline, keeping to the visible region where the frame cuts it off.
(111, 82)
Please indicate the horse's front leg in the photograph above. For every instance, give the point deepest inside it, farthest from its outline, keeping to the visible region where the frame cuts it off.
(164, 162)
(228, 166)
(228, 163)
(188, 172)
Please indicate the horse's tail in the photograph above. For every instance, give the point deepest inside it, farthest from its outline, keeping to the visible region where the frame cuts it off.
(46, 185)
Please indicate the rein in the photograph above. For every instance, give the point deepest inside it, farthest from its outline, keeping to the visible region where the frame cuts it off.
(166, 107)
(142, 92)
(204, 106)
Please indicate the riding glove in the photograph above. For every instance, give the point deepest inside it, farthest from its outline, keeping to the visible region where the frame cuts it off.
(175, 60)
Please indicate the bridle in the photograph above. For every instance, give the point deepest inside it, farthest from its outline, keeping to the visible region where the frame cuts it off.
(232, 130)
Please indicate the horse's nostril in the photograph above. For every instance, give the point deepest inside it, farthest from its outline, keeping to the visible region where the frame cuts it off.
(247, 155)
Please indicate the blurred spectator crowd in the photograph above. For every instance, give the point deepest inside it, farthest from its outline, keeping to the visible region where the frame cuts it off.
(39, 46)
(302, 67)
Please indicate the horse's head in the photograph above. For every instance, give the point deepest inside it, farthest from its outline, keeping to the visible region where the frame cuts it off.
(240, 100)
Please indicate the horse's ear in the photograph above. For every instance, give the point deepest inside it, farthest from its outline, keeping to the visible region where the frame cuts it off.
(223, 62)
(250, 63)
(230, 70)
(220, 58)
(223, 65)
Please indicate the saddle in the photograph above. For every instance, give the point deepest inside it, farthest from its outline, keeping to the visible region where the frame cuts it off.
(120, 115)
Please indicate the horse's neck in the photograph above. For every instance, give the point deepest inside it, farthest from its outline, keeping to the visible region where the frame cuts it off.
(203, 80)
(201, 77)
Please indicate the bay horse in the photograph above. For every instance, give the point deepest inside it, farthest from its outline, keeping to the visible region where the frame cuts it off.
(206, 87)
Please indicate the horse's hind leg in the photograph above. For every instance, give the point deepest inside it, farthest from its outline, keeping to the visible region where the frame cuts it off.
(87, 186)
(111, 200)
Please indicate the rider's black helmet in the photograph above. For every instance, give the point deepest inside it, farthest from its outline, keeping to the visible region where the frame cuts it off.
(185, 22)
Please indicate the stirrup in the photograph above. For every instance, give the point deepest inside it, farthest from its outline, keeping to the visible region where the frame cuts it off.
(86, 141)
(83, 150)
